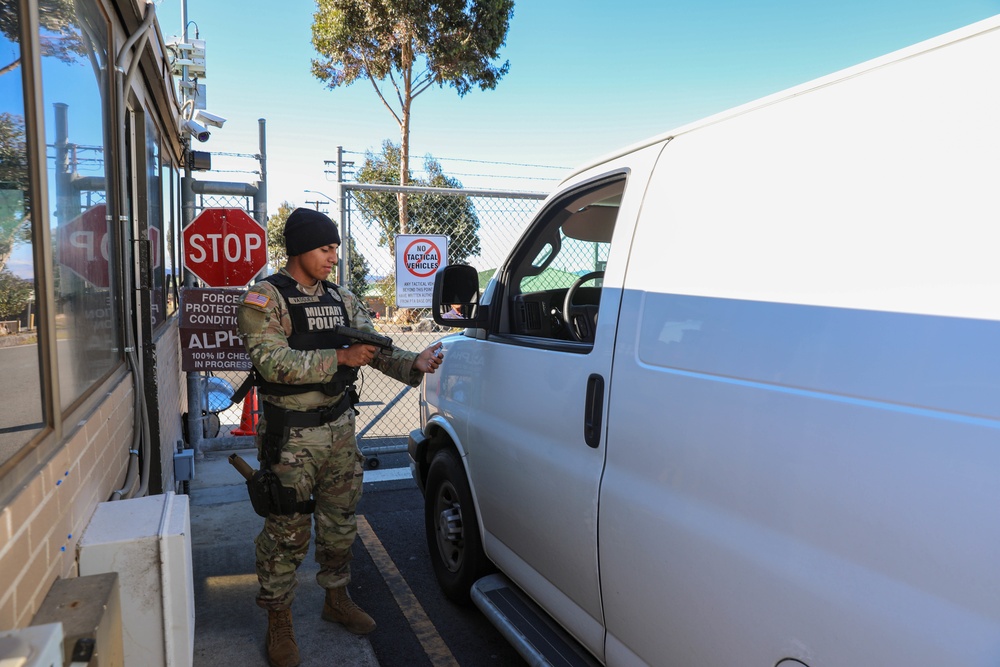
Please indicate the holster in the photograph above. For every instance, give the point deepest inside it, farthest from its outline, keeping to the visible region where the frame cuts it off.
(269, 496)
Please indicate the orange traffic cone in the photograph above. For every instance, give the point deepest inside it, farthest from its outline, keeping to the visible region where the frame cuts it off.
(248, 422)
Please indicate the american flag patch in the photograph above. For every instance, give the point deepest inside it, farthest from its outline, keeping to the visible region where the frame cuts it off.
(256, 299)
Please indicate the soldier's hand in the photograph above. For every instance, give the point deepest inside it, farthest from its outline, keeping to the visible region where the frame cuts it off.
(428, 360)
(356, 355)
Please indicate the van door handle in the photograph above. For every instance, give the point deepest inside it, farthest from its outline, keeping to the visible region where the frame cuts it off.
(594, 410)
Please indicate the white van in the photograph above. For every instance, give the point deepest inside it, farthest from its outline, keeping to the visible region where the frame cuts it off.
(734, 397)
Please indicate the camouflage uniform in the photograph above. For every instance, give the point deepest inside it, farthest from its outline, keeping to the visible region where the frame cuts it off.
(323, 461)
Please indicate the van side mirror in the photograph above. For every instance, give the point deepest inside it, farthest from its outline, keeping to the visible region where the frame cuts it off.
(456, 297)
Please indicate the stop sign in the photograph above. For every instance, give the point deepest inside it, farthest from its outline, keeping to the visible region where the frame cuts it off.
(224, 247)
(82, 246)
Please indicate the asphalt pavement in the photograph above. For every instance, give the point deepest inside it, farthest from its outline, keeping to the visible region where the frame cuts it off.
(229, 626)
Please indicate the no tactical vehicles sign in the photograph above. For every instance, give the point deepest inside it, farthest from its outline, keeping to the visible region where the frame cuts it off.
(418, 259)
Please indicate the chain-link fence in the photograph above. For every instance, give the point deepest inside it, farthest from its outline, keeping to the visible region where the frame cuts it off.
(481, 227)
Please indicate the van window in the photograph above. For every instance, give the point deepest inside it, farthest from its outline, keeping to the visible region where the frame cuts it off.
(543, 256)
(564, 255)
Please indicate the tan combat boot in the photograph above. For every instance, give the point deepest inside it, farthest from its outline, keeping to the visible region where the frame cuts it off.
(340, 608)
(282, 651)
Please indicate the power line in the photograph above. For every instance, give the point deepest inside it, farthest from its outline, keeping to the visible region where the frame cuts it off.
(499, 176)
(246, 155)
(505, 164)
(235, 171)
(494, 162)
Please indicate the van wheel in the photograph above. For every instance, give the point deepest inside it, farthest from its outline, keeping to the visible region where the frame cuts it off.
(452, 528)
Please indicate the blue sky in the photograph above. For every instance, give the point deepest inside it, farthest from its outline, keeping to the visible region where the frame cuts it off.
(585, 78)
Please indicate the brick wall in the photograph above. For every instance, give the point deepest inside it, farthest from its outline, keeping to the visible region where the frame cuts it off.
(172, 398)
(41, 526)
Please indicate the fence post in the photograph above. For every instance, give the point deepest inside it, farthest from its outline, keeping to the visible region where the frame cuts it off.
(194, 384)
(260, 197)
(344, 267)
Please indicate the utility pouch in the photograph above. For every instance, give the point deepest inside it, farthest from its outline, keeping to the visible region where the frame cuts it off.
(276, 434)
(272, 443)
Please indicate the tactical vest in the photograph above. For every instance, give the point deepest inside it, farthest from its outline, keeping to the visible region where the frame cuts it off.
(313, 319)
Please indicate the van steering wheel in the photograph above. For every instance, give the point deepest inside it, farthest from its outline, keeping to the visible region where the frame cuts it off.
(580, 320)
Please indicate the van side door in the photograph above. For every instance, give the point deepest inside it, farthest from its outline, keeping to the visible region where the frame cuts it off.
(536, 448)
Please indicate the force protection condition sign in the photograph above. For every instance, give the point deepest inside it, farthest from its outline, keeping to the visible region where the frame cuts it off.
(209, 341)
(418, 259)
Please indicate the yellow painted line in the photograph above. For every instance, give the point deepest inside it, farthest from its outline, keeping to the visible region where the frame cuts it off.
(427, 635)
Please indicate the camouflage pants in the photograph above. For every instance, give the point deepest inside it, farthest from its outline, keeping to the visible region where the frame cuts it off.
(325, 462)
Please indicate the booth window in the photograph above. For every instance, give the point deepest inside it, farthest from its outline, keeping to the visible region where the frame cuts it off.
(21, 417)
(76, 85)
(154, 218)
(171, 236)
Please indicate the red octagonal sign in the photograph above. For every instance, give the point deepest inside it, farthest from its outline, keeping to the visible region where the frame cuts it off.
(224, 247)
(83, 246)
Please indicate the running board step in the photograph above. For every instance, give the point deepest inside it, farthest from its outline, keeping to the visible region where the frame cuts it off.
(539, 640)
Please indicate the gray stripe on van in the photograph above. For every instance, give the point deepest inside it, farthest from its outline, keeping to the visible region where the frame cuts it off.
(938, 363)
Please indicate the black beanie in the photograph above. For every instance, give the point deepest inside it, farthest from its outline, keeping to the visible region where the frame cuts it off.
(307, 230)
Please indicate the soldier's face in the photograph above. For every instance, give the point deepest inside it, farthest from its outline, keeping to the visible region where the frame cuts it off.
(319, 263)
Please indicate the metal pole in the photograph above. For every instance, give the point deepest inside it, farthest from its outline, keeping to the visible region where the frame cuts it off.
(343, 271)
(195, 420)
(260, 197)
(184, 69)
(67, 206)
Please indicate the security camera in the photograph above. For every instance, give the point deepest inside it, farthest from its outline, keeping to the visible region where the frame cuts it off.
(210, 118)
(197, 130)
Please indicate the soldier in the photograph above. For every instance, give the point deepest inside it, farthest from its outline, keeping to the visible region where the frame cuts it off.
(305, 374)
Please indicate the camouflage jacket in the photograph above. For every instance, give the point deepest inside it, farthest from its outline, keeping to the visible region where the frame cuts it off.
(264, 325)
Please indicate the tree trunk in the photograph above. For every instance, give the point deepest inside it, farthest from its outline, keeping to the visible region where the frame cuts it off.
(404, 135)
(404, 168)
(405, 315)
(10, 67)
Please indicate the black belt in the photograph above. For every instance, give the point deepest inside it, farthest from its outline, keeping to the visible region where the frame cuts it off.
(307, 418)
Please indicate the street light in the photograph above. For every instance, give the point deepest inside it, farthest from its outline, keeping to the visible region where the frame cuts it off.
(317, 192)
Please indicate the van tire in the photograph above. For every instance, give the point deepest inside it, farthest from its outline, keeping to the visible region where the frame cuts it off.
(452, 528)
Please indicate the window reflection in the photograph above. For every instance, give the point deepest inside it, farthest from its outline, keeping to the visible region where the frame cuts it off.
(20, 393)
(155, 221)
(75, 80)
(171, 246)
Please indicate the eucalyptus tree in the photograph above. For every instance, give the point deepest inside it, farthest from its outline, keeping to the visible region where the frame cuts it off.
(15, 293)
(59, 36)
(15, 226)
(276, 257)
(429, 213)
(404, 47)
(452, 215)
